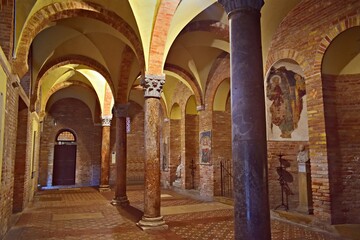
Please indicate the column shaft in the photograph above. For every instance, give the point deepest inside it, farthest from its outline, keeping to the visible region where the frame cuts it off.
(249, 148)
(152, 158)
(105, 158)
(121, 155)
(152, 218)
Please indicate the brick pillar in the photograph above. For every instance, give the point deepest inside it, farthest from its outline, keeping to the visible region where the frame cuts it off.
(6, 27)
(152, 219)
(249, 151)
(105, 154)
(121, 112)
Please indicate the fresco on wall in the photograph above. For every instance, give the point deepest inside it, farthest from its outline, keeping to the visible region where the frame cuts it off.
(286, 103)
(205, 147)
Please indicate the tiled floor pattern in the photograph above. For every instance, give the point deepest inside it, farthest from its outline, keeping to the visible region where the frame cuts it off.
(87, 214)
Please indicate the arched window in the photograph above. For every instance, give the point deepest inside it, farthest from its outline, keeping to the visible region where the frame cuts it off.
(65, 137)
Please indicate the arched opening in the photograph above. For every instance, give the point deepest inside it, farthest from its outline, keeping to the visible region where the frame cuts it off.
(64, 158)
(175, 142)
(20, 185)
(341, 84)
(221, 140)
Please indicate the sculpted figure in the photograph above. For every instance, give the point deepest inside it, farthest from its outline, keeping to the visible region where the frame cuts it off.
(303, 155)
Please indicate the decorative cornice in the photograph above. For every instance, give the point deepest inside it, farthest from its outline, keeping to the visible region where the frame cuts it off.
(106, 121)
(153, 85)
(121, 110)
(232, 5)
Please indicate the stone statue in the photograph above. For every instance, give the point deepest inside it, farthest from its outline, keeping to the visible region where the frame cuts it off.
(178, 171)
(303, 155)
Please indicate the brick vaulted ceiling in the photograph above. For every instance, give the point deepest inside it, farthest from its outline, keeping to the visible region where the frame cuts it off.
(102, 45)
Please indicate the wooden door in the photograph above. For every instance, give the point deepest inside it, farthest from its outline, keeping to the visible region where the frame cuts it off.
(64, 165)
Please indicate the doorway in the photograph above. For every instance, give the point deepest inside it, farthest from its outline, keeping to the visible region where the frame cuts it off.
(64, 159)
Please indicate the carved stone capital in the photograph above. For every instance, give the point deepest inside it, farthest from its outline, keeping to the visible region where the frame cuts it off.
(153, 85)
(232, 5)
(106, 121)
(121, 110)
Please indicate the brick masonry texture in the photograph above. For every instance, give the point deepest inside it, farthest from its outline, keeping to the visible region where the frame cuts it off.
(313, 25)
(135, 146)
(88, 141)
(342, 113)
(7, 176)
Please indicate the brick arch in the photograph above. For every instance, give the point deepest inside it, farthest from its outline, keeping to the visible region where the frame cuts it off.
(288, 54)
(220, 71)
(337, 29)
(69, 9)
(324, 124)
(220, 29)
(69, 59)
(189, 79)
(159, 36)
(67, 84)
(122, 92)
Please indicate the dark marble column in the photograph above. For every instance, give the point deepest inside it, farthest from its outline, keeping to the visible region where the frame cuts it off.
(249, 150)
(120, 111)
(152, 219)
(105, 154)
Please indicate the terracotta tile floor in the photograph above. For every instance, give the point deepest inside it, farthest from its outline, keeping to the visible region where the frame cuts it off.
(84, 213)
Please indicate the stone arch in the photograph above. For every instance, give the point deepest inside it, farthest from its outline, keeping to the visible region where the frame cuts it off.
(68, 9)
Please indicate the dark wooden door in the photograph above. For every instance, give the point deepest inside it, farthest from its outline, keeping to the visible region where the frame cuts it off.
(64, 165)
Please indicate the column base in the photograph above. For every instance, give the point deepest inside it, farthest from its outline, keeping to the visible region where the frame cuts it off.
(120, 201)
(305, 210)
(156, 223)
(104, 188)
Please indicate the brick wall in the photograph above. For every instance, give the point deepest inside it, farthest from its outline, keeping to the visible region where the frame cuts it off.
(175, 148)
(342, 113)
(21, 163)
(304, 36)
(88, 154)
(221, 146)
(7, 176)
(135, 146)
(191, 151)
(290, 151)
(6, 25)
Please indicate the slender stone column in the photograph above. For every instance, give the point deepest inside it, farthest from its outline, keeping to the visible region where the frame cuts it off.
(152, 219)
(105, 154)
(249, 150)
(120, 111)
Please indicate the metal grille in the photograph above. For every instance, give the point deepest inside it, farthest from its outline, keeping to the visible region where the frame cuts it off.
(226, 178)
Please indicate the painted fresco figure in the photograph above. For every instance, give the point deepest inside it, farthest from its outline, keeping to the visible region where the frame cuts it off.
(286, 89)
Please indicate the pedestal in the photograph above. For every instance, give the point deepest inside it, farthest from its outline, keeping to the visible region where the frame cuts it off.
(155, 223)
(305, 199)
